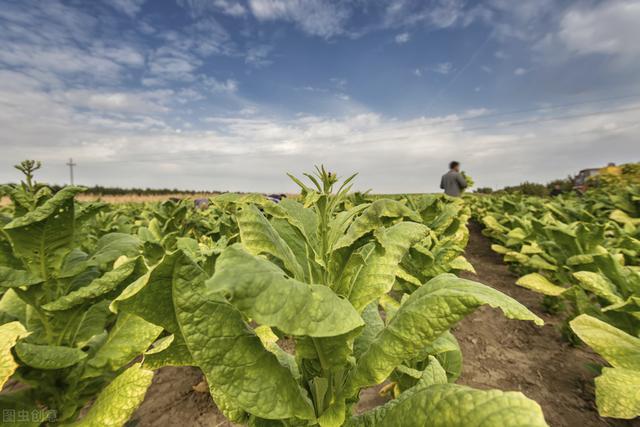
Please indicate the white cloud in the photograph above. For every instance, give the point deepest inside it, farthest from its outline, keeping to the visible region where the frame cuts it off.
(120, 138)
(128, 7)
(174, 66)
(126, 102)
(520, 71)
(123, 55)
(613, 27)
(339, 83)
(435, 14)
(228, 7)
(67, 88)
(220, 86)
(521, 20)
(315, 17)
(258, 56)
(200, 8)
(442, 68)
(402, 38)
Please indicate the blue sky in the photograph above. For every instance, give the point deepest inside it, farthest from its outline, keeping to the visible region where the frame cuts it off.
(231, 94)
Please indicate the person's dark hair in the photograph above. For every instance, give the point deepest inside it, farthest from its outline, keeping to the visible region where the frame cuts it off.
(454, 164)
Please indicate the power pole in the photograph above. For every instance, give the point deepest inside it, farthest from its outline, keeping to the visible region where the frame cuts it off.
(71, 165)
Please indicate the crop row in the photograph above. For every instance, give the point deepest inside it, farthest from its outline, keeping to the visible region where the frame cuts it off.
(289, 309)
(583, 253)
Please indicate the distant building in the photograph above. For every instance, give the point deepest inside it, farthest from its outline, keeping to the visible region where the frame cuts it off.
(581, 179)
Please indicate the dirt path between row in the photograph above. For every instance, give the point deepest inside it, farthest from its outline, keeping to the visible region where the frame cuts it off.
(498, 353)
(515, 355)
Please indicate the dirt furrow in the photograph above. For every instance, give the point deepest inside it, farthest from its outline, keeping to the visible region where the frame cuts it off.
(516, 355)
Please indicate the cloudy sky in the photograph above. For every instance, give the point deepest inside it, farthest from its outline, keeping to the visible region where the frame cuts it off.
(231, 94)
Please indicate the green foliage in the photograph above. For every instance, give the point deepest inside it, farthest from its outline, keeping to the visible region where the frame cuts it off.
(483, 190)
(313, 274)
(59, 338)
(289, 309)
(617, 393)
(468, 179)
(582, 254)
(528, 189)
(434, 402)
(564, 185)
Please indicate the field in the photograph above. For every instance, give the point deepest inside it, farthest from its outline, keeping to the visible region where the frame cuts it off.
(328, 308)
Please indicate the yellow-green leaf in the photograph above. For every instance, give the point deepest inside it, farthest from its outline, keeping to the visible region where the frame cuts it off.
(9, 334)
(118, 400)
(618, 393)
(600, 285)
(461, 263)
(617, 347)
(538, 283)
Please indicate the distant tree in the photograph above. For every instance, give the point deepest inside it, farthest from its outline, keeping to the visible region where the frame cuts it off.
(483, 190)
(566, 184)
(528, 189)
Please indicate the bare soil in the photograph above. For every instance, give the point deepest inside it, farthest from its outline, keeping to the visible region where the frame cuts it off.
(498, 353)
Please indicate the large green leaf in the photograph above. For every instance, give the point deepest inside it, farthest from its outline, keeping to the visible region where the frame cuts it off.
(303, 251)
(168, 351)
(42, 237)
(98, 287)
(118, 400)
(114, 245)
(262, 291)
(599, 285)
(130, 337)
(150, 296)
(371, 273)
(434, 402)
(430, 311)
(92, 322)
(618, 274)
(48, 356)
(259, 237)
(301, 217)
(451, 405)
(618, 393)
(377, 215)
(618, 348)
(12, 278)
(373, 324)
(9, 334)
(12, 306)
(240, 372)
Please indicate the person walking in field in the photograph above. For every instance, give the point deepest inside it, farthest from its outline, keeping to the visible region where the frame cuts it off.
(453, 182)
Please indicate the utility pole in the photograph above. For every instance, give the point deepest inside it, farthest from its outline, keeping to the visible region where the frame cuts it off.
(71, 165)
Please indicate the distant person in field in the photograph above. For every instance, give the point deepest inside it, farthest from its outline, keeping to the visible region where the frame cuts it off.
(453, 182)
(557, 190)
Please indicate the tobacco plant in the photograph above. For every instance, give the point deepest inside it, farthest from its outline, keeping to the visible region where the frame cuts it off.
(584, 253)
(60, 344)
(287, 327)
